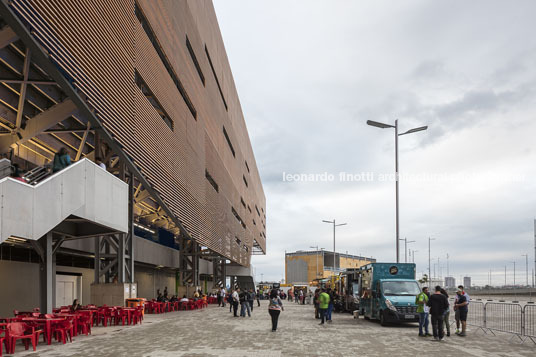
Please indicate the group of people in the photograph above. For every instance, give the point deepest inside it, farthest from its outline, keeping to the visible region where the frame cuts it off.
(300, 296)
(436, 306)
(237, 297)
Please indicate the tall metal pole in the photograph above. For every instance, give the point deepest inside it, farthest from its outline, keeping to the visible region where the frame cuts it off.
(334, 251)
(526, 268)
(514, 273)
(429, 260)
(396, 180)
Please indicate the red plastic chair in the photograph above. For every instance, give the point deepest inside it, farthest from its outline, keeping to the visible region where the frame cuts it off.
(107, 315)
(84, 323)
(137, 315)
(63, 330)
(3, 340)
(121, 315)
(21, 331)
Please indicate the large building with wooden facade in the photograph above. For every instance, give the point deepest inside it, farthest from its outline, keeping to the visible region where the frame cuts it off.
(146, 87)
(308, 267)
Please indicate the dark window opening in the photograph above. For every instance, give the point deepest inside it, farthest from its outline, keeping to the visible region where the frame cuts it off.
(256, 209)
(194, 59)
(238, 241)
(249, 209)
(247, 167)
(245, 181)
(254, 223)
(152, 37)
(246, 248)
(242, 202)
(152, 99)
(229, 141)
(211, 181)
(216, 77)
(238, 218)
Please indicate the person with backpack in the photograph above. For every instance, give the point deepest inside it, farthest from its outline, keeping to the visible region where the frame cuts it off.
(244, 304)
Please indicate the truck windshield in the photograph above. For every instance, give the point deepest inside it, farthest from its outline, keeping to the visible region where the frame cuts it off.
(400, 288)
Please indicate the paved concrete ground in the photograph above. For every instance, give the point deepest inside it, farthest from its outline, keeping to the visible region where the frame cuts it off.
(214, 332)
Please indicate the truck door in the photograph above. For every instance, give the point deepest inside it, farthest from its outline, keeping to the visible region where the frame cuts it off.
(376, 301)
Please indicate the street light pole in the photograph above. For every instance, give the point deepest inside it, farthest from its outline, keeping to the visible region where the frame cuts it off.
(429, 260)
(397, 215)
(514, 273)
(413, 255)
(335, 225)
(526, 267)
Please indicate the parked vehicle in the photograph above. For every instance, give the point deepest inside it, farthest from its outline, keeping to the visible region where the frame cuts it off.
(387, 292)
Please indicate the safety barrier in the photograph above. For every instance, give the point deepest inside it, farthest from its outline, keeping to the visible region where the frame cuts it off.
(529, 322)
(510, 318)
(504, 317)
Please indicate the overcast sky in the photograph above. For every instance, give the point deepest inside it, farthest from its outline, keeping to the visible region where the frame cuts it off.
(311, 73)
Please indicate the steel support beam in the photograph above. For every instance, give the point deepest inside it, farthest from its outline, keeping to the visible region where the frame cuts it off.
(7, 36)
(39, 124)
(23, 86)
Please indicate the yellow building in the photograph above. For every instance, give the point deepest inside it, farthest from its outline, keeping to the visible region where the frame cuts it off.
(304, 267)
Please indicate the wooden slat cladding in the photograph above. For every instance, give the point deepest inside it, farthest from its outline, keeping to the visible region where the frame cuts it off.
(100, 44)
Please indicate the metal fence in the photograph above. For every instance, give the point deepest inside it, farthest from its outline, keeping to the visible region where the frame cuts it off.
(529, 322)
(511, 318)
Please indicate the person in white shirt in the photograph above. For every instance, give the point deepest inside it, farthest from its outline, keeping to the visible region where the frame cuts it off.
(221, 297)
(236, 299)
(99, 163)
(184, 299)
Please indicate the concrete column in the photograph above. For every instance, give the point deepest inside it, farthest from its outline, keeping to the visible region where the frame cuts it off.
(47, 282)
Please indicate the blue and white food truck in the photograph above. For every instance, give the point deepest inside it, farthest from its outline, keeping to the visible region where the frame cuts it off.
(387, 292)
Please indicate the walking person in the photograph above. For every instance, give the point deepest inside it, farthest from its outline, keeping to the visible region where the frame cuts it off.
(258, 298)
(438, 306)
(244, 304)
(274, 308)
(222, 293)
(229, 298)
(447, 313)
(251, 298)
(316, 303)
(61, 160)
(331, 294)
(461, 305)
(236, 299)
(323, 304)
(422, 309)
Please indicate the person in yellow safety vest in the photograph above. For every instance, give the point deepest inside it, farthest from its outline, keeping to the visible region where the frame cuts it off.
(423, 310)
(323, 299)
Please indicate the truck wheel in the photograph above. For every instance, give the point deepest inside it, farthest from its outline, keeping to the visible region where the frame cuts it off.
(383, 320)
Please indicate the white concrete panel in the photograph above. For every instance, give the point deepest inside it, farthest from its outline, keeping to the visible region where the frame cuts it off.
(103, 198)
(89, 208)
(83, 189)
(73, 183)
(47, 206)
(17, 209)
